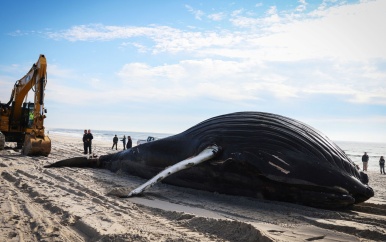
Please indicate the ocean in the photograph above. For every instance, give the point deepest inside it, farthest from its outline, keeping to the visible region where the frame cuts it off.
(354, 150)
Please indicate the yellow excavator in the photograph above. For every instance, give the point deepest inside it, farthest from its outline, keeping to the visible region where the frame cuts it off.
(22, 121)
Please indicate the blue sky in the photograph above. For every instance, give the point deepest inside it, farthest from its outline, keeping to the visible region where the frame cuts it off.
(163, 66)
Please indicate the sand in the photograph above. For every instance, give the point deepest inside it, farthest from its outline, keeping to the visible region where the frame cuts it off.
(70, 204)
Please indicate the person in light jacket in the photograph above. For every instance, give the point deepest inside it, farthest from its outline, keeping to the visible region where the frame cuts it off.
(365, 160)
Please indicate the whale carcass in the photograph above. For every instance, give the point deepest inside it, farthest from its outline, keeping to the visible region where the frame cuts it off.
(253, 154)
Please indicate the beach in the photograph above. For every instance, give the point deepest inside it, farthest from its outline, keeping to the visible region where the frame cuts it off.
(73, 204)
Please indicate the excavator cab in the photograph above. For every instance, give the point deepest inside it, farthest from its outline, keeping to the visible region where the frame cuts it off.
(35, 141)
(27, 116)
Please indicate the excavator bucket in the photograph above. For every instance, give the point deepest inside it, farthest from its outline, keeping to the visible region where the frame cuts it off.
(36, 146)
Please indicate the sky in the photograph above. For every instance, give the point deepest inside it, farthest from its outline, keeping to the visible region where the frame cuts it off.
(164, 66)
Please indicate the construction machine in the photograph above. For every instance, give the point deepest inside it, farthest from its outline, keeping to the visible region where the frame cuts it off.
(22, 121)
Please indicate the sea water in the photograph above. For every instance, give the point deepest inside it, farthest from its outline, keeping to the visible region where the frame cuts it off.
(354, 150)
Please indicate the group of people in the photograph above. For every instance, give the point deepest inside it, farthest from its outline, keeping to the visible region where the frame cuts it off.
(365, 160)
(87, 141)
(127, 144)
(88, 137)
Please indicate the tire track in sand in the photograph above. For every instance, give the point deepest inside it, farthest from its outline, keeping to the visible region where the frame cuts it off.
(33, 222)
(55, 192)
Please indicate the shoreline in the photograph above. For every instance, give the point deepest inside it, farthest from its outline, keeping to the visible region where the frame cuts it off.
(71, 204)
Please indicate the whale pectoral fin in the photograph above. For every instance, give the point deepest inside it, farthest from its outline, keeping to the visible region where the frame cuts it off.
(204, 155)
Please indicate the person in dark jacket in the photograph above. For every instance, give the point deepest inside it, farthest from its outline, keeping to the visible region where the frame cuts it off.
(115, 142)
(382, 165)
(129, 142)
(124, 142)
(89, 138)
(85, 142)
(365, 160)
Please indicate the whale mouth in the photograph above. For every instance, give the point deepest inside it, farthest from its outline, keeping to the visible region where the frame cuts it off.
(369, 192)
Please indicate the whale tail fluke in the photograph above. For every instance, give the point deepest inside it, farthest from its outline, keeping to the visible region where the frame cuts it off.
(75, 162)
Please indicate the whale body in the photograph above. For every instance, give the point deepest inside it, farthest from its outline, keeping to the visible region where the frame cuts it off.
(260, 155)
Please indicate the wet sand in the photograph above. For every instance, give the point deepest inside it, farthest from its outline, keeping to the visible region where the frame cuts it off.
(70, 204)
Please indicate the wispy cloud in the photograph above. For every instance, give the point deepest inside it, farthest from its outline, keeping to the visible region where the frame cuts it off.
(100, 32)
(348, 32)
(336, 50)
(302, 6)
(217, 16)
(197, 13)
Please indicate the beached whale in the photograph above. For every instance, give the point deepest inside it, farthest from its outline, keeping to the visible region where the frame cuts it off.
(252, 154)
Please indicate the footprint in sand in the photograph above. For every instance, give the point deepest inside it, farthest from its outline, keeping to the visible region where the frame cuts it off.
(12, 235)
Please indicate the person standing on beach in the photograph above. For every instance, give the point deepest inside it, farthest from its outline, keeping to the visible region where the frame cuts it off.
(115, 142)
(89, 141)
(382, 165)
(129, 142)
(365, 160)
(85, 142)
(124, 142)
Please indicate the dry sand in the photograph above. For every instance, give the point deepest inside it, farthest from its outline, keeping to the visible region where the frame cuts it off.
(70, 204)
